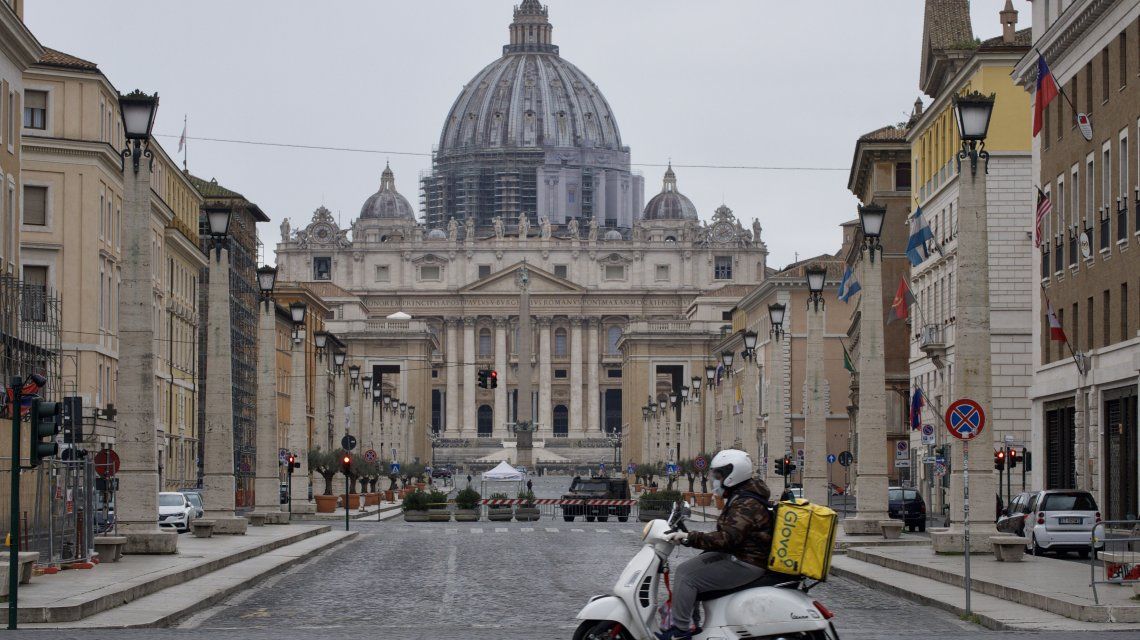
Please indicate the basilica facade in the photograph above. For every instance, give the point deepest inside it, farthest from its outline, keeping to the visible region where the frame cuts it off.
(626, 300)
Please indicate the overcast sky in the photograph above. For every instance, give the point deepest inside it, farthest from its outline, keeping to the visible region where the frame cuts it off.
(724, 82)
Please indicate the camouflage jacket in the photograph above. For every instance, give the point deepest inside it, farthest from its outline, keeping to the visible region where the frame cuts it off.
(743, 528)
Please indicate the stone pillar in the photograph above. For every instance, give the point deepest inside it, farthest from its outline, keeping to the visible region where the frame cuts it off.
(322, 412)
(871, 422)
(576, 423)
(501, 356)
(336, 421)
(299, 430)
(454, 372)
(267, 482)
(523, 437)
(469, 397)
(778, 436)
(545, 408)
(972, 372)
(218, 457)
(593, 363)
(815, 410)
(137, 442)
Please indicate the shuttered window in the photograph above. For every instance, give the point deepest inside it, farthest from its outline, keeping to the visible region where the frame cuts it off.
(35, 205)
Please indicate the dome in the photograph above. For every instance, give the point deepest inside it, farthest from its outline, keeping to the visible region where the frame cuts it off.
(387, 203)
(670, 204)
(530, 97)
(437, 234)
(613, 234)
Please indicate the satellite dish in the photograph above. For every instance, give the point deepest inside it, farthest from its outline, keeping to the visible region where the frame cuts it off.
(1085, 125)
(1086, 246)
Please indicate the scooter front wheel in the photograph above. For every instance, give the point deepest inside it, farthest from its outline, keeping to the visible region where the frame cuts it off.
(604, 630)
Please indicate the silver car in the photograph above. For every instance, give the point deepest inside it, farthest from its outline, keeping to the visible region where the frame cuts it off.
(175, 511)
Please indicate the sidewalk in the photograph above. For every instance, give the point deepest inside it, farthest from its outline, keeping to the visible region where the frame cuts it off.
(154, 590)
(369, 512)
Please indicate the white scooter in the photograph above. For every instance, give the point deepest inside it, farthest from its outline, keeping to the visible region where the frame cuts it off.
(776, 606)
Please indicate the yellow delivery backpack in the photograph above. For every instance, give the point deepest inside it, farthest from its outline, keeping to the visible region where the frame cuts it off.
(803, 537)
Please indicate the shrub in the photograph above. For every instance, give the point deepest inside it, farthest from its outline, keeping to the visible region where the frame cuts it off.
(436, 499)
(499, 496)
(527, 497)
(659, 501)
(467, 499)
(416, 501)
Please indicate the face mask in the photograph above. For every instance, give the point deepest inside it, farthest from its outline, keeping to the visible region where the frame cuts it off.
(718, 488)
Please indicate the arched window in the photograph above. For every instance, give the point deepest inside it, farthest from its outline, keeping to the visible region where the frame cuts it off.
(486, 346)
(560, 343)
(613, 335)
(485, 420)
(561, 421)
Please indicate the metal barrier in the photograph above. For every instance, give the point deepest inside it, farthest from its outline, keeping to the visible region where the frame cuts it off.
(555, 508)
(1115, 546)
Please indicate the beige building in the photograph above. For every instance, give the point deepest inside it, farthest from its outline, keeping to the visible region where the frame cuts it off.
(19, 49)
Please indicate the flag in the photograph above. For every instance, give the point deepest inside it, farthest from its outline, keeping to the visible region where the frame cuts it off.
(182, 140)
(916, 402)
(1046, 91)
(900, 306)
(919, 235)
(847, 359)
(1056, 331)
(1044, 207)
(719, 372)
(849, 286)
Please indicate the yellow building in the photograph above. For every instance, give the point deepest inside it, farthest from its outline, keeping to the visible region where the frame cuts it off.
(19, 49)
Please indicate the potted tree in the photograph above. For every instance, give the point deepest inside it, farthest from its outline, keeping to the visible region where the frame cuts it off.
(655, 506)
(371, 474)
(685, 467)
(528, 510)
(352, 500)
(500, 513)
(467, 505)
(393, 486)
(438, 510)
(415, 507)
(327, 465)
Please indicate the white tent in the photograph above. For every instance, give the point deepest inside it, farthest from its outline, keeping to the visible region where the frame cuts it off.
(503, 473)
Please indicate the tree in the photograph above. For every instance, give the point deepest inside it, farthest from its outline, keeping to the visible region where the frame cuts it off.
(327, 464)
(704, 473)
(687, 467)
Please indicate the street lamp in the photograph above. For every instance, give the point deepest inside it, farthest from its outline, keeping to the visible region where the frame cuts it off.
(710, 374)
(727, 357)
(218, 220)
(354, 374)
(816, 277)
(366, 382)
(674, 399)
(684, 395)
(645, 413)
(138, 111)
(411, 412)
(696, 382)
(973, 111)
(661, 403)
(377, 396)
(776, 312)
(871, 220)
(403, 408)
(320, 340)
(266, 279)
(338, 362)
(749, 345)
(297, 312)
(387, 401)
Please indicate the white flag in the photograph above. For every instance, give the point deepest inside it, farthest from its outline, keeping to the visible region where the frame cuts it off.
(182, 140)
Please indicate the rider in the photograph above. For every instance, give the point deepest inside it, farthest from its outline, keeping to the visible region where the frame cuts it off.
(736, 553)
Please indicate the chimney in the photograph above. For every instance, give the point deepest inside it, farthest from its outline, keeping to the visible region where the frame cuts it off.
(1008, 22)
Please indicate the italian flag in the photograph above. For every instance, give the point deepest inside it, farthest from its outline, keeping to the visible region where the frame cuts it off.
(1056, 332)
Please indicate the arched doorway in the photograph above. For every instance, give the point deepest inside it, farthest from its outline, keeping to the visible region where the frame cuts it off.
(561, 421)
(486, 421)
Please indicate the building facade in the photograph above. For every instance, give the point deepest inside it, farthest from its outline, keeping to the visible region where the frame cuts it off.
(19, 49)
(1085, 387)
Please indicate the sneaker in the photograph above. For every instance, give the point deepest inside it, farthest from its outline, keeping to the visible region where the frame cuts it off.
(674, 634)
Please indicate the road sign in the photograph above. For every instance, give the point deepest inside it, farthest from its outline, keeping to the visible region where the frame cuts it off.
(283, 455)
(671, 469)
(928, 460)
(928, 439)
(846, 458)
(831, 458)
(965, 419)
(348, 442)
(902, 464)
(700, 463)
(939, 469)
(370, 455)
(106, 463)
(394, 468)
(927, 429)
(800, 454)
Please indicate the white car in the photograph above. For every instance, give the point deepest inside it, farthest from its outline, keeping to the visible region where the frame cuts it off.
(1060, 521)
(174, 510)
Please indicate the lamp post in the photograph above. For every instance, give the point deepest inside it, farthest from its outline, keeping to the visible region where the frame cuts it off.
(972, 367)
(320, 342)
(378, 399)
(139, 478)
(778, 422)
(815, 408)
(267, 481)
(298, 440)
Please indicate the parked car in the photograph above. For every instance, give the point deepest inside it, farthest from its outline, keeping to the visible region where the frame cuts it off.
(1059, 520)
(907, 505)
(441, 473)
(195, 498)
(1013, 517)
(175, 510)
(597, 488)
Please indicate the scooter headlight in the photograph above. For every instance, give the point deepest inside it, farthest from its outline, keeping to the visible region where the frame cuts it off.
(645, 530)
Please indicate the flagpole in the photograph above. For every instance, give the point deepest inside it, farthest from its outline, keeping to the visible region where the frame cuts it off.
(186, 144)
(1072, 351)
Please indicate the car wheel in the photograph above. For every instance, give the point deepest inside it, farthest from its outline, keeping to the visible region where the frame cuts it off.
(922, 527)
(589, 518)
(603, 518)
(1037, 550)
(568, 518)
(1084, 554)
(623, 518)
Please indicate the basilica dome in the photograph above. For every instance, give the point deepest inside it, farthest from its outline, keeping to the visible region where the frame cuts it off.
(530, 97)
(670, 204)
(387, 203)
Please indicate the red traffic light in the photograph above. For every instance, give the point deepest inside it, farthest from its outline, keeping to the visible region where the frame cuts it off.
(1000, 455)
(292, 459)
(346, 459)
(494, 374)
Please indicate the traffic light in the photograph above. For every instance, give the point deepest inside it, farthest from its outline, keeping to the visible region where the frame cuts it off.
(292, 463)
(780, 467)
(46, 423)
(493, 376)
(789, 466)
(483, 375)
(1026, 459)
(345, 463)
(999, 460)
(1013, 455)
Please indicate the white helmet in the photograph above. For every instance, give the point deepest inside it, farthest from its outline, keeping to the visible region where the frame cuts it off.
(733, 466)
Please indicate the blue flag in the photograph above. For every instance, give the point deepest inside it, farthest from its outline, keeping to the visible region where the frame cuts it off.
(916, 403)
(919, 235)
(849, 286)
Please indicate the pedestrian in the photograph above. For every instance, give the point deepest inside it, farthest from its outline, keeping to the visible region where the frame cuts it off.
(469, 480)
(529, 486)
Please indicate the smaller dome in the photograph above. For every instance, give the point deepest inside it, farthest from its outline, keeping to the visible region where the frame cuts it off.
(387, 202)
(613, 234)
(670, 204)
(437, 234)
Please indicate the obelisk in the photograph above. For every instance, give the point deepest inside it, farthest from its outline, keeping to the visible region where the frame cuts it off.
(524, 428)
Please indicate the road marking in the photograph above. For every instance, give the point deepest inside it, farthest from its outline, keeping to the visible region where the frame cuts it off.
(453, 530)
(577, 530)
(448, 601)
(500, 529)
(476, 530)
(528, 529)
(551, 530)
(601, 530)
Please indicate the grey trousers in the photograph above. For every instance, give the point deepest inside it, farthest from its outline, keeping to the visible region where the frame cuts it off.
(710, 571)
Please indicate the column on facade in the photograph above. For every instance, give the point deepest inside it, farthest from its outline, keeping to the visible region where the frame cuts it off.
(469, 389)
(779, 433)
(593, 363)
(266, 488)
(545, 408)
(335, 428)
(499, 429)
(815, 411)
(322, 427)
(218, 444)
(576, 409)
(355, 424)
(298, 442)
(454, 372)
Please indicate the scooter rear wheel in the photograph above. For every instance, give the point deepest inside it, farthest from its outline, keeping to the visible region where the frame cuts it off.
(604, 630)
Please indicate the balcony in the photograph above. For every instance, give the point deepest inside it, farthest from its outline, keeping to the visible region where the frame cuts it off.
(932, 343)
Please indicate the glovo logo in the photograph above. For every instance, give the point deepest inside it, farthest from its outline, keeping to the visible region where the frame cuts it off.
(786, 529)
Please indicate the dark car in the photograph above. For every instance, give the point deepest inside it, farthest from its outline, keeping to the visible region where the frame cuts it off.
(195, 498)
(441, 473)
(1012, 519)
(596, 488)
(907, 505)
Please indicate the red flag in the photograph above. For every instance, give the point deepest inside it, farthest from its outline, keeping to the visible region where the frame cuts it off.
(1044, 206)
(1046, 91)
(900, 307)
(1056, 331)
